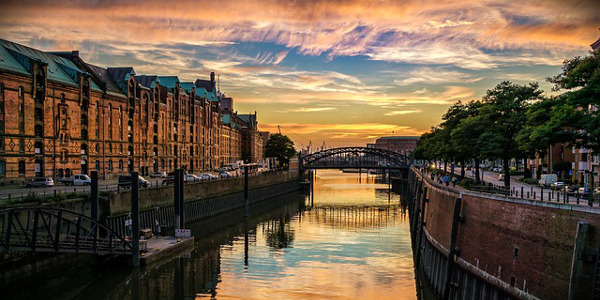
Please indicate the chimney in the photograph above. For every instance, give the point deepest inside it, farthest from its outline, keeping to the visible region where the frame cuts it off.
(75, 53)
(212, 80)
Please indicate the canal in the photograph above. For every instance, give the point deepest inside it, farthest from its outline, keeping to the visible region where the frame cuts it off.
(351, 241)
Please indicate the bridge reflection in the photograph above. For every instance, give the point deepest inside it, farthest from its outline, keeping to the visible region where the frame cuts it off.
(356, 217)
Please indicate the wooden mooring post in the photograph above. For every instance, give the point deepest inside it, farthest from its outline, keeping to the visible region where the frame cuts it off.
(135, 220)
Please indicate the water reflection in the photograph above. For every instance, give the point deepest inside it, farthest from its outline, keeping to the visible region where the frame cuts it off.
(353, 243)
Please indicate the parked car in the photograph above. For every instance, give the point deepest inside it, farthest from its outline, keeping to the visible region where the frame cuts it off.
(572, 189)
(125, 181)
(208, 177)
(158, 175)
(225, 175)
(190, 178)
(77, 179)
(559, 185)
(547, 179)
(38, 182)
(222, 169)
(584, 191)
(170, 179)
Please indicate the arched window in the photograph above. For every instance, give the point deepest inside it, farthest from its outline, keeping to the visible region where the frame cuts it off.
(97, 165)
(62, 99)
(110, 165)
(121, 165)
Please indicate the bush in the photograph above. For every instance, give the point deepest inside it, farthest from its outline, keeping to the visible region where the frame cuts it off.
(532, 181)
(514, 173)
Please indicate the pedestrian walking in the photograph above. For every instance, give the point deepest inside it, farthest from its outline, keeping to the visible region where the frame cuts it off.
(454, 180)
(447, 180)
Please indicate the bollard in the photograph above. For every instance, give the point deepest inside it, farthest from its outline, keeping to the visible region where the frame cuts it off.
(176, 210)
(577, 197)
(135, 220)
(94, 196)
(542, 195)
(54, 194)
(549, 197)
(534, 194)
(527, 195)
(521, 192)
(246, 200)
(181, 200)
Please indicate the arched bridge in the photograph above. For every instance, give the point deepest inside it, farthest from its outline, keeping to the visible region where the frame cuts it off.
(55, 230)
(354, 157)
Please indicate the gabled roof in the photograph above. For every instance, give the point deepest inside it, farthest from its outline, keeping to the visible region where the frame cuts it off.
(187, 86)
(9, 63)
(147, 80)
(104, 79)
(101, 80)
(168, 81)
(120, 75)
(55, 64)
(250, 119)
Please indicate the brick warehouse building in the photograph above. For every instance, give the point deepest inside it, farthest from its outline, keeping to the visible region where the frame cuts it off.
(399, 144)
(61, 116)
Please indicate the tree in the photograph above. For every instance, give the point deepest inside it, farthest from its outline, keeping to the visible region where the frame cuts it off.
(281, 147)
(579, 112)
(543, 129)
(465, 137)
(503, 115)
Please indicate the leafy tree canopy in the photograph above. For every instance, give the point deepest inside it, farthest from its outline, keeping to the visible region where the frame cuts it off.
(281, 147)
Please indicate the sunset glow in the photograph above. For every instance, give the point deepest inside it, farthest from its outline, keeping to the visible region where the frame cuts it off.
(339, 72)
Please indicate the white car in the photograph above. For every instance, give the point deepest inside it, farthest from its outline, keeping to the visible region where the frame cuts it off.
(190, 178)
(208, 177)
(78, 179)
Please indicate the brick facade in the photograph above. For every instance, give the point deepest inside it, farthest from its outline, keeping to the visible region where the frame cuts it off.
(61, 116)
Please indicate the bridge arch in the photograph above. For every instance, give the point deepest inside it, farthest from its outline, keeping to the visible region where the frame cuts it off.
(354, 157)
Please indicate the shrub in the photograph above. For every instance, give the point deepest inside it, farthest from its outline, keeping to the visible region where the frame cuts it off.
(532, 181)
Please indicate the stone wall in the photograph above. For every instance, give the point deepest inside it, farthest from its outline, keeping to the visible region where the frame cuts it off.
(529, 245)
(120, 203)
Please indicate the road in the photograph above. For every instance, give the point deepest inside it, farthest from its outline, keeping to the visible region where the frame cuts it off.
(529, 191)
(16, 192)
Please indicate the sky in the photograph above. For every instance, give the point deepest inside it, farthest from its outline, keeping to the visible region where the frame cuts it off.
(331, 72)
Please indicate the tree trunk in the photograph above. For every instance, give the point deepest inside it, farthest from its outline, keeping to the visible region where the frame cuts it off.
(506, 162)
(526, 172)
(452, 169)
(477, 179)
(445, 165)
(462, 169)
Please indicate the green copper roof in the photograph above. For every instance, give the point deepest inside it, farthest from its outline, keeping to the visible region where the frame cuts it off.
(226, 118)
(187, 86)
(9, 63)
(55, 73)
(168, 81)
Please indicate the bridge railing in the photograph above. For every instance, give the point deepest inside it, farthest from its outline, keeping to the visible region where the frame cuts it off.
(56, 230)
